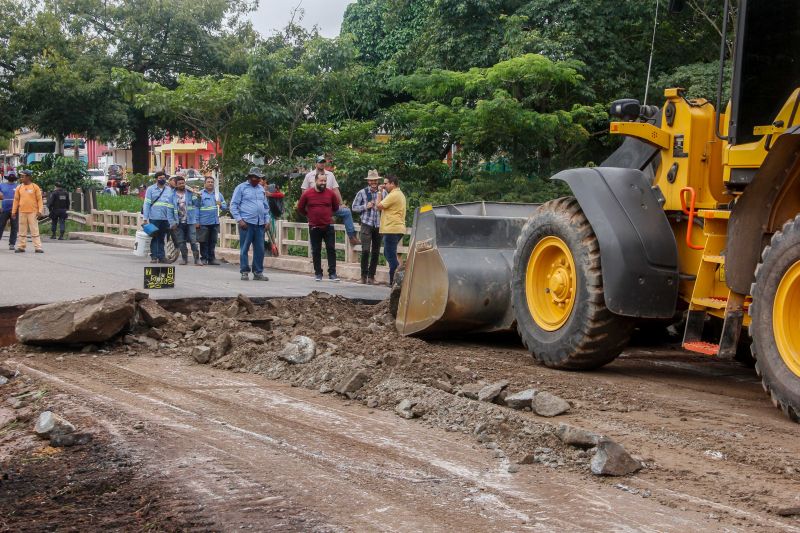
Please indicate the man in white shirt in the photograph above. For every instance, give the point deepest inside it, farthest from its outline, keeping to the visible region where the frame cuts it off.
(343, 212)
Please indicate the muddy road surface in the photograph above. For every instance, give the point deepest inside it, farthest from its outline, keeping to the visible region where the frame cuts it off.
(251, 441)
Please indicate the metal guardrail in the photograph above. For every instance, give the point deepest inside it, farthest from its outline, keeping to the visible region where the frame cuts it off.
(292, 235)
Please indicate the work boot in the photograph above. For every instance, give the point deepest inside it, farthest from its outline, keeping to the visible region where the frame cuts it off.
(11, 247)
(371, 281)
(363, 280)
(61, 237)
(19, 251)
(184, 260)
(53, 236)
(214, 262)
(260, 277)
(245, 276)
(197, 261)
(39, 251)
(334, 278)
(154, 259)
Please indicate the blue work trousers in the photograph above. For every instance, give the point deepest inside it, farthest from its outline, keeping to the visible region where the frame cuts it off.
(157, 249)
(186, 233)
(252, 235)
(209, 246)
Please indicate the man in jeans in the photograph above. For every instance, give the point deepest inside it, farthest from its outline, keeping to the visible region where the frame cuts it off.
(366, 203)
(319, 204)
(159, 208)
(187, 207)
(249, 209)
(343, 212)
(28, 206)
(210, 204)
(393, 221)
(7, 196)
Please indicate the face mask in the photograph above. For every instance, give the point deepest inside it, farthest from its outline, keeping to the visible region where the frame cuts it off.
(321, 188)
(161, 181)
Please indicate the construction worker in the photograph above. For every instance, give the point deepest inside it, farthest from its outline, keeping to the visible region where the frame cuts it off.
(159, 208)
(58, 205)
(210, 204)
(7, 196)
(187, 208)
(28, 206)
(249, 209)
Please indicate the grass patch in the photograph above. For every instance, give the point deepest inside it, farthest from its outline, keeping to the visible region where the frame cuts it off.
(131, 204)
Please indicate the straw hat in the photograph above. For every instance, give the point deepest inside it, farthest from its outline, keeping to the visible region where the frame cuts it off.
(373, 175)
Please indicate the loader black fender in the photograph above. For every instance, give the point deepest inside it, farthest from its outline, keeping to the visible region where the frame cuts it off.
(638, 252)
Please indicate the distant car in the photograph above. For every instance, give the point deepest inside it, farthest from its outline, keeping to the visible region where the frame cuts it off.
(98, 176)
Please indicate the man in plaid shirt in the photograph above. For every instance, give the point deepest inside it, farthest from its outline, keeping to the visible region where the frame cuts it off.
(365, 203)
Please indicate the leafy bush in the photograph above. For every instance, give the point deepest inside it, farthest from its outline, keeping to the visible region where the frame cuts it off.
(131, 204)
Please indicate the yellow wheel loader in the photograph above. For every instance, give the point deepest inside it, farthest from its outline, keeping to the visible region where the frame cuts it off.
(697, 212)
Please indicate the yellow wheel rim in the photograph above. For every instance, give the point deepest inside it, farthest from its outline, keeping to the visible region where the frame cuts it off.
(786, 318)
(550, 283)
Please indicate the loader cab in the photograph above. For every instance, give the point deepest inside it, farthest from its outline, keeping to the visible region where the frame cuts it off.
(766, 66)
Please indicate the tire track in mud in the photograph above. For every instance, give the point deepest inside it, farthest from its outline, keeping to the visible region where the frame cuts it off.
(344, 466)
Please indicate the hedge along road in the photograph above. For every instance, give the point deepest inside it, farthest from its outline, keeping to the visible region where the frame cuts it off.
(69, 270)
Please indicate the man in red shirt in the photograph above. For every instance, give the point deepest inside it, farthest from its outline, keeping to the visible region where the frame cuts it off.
(318, 204)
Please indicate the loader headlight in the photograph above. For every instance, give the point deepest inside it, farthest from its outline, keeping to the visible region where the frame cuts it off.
(627, 109)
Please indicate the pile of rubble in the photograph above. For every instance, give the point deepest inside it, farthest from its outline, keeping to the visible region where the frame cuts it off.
(336, 346)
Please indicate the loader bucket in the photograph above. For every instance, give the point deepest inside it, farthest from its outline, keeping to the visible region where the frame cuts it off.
(458, 272)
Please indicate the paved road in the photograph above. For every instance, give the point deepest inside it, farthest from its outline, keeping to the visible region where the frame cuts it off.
(75, 269)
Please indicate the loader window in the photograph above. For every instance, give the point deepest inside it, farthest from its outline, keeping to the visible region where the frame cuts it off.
(767, 64)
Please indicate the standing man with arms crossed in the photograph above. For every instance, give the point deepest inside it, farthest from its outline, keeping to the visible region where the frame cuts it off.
(366, 203)
(7, 196)
(249, 209)
(393, 222)
(58, 204)
(159, 208)
(333, 186)
(210, 204)
(319, 204)
(28, 206)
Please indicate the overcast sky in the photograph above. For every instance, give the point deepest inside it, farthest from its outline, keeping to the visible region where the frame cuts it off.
(274, 14)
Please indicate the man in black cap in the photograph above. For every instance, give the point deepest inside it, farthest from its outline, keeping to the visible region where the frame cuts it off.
(58, 204)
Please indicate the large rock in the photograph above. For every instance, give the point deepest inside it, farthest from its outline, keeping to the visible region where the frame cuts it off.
(91, 320)
(299, 350)
(490, 392)
(521, 400)
(202, 354)
(611, 459)
(405, 409)
(50, 424)
(352, 383)
(246, 303)
(546, 404)
(153, 314)
(244, 337)
(221, 346)
(577, 437)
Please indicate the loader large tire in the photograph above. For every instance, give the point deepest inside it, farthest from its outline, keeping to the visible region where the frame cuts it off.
(557, 291)
(775, 313)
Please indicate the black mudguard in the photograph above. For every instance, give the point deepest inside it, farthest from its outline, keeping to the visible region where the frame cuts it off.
(638, 252)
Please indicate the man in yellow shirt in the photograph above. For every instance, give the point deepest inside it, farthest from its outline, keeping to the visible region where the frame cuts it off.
(393, 221)
(27, 207)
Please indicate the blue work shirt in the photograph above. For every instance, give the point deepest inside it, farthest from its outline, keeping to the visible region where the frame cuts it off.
(192, 207)
(8, 194)
(250, 204)
(209, 214)
(160, 208)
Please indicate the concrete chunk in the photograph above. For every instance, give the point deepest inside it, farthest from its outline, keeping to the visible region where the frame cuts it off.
(490, 392)
(521, 399)
(352, 383)
(90, 320)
